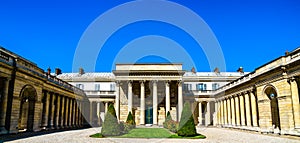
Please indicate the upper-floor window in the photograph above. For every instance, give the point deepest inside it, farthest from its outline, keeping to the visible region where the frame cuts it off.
(80, 86)
(215, 86)
(201, 86)
(187, 87)
(112, 87)
(97, 87)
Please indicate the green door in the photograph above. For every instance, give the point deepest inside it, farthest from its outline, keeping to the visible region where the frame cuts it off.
(149, 116)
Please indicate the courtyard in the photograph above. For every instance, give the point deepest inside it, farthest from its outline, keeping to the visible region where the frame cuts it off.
(212, 135)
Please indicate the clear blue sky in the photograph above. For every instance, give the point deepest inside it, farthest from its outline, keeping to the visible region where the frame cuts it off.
(250, 32)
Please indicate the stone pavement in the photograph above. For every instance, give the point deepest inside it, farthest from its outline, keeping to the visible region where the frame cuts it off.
(214, 135)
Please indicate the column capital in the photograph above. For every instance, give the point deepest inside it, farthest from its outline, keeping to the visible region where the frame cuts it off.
(155, 81)
(129, 83)
(179, 82)
(142, 82)
(167, 82)
(117, 82)
(292, 79)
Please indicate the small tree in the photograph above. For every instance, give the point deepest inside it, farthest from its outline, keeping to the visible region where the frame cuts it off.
(186, 124)
(110, 125)
(168, 118)
(130, 119)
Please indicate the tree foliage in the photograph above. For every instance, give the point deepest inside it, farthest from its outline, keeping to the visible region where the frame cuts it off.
(186, 124)
(110, 125)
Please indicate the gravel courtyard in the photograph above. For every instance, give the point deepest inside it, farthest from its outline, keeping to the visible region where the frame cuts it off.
(213, 135)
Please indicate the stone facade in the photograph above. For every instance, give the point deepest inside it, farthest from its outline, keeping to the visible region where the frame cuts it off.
(32, 100)
(266, 100)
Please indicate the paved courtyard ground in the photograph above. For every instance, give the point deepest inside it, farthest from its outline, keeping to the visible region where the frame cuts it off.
(213, 135)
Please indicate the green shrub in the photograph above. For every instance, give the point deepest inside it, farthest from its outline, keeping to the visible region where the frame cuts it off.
(170, 124)
(186, 124)
(110, 125)
(130, 119)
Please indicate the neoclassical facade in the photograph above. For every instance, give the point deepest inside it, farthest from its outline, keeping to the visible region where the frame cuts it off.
(265, 100)
(33, 100)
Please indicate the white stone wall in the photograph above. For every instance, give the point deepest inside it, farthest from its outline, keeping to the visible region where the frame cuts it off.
(104, 86)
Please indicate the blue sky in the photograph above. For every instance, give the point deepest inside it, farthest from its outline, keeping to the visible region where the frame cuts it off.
(250, 32)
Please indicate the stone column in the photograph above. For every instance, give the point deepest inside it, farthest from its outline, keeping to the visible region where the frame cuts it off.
(60, 111)
(216, 117)
(130, 96)
(91, 112)
(79, 113)
(237, 110)
(45, 109)
(142, 112)
(254, 108)
(98, 109)
(65, 112)
(200, 113)
(232, 111)
(229, 111)
(155, 103)
(180, 100)
(167, 97)
(56, 109)
(208, 114)
(296, 104)
(75, 113)
(225, 112)
(248, 111)
(50, 112)
(106, 107)
(117, 105)
(242, 107)
(3, 107)
(68, 112)
(222, 112)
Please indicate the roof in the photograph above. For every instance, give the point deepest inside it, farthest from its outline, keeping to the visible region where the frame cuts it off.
(96, 75)
(111, 76)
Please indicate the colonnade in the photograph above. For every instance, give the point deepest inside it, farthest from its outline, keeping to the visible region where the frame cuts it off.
(238, 110)
(59, 111)
(155, 99)
(95, 110)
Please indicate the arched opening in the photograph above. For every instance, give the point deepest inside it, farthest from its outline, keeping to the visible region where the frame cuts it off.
(272, 95)
(26, 116)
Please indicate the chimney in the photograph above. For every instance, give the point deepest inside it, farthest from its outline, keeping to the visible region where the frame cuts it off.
(193, 70)
(286, 52)
(57, 71)
(216, 70)
(49, 71)
(241, 70)
(81, 71)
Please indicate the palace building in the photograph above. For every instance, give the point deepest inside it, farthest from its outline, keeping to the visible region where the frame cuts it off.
(264, 100)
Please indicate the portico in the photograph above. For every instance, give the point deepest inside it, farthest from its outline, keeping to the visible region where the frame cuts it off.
(149, 91)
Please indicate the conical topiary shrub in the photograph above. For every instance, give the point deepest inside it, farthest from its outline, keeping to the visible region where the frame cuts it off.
(130, 119)
(186, 124)
(110, 125)
(168, 118)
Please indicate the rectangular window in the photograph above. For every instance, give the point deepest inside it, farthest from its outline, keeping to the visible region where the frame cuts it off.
(80, 86)
(97, 87)
(112, 87)
(187, 87)
(215, 86)
(201, 87)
